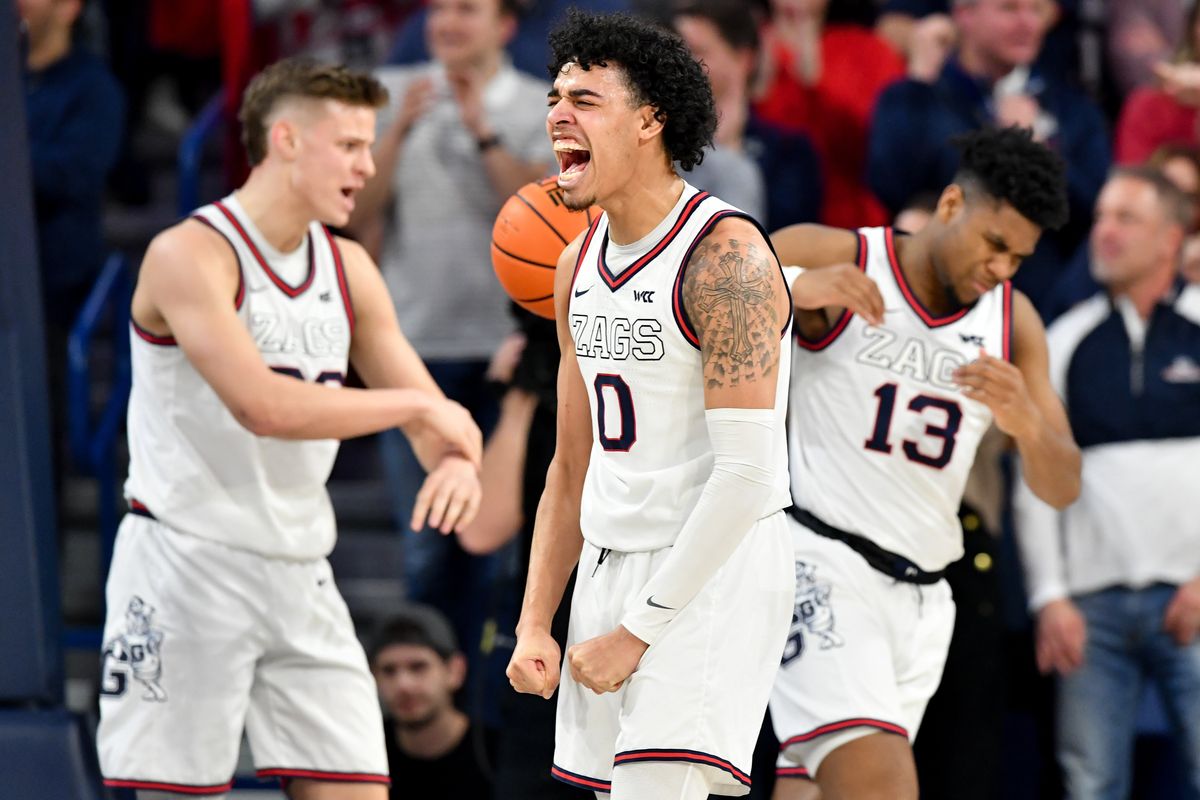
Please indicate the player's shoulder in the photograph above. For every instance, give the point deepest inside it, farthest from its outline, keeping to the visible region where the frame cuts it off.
(186, 244)
(812, 245)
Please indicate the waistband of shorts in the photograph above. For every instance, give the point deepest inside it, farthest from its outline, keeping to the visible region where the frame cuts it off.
(138, 508)
(891, 564)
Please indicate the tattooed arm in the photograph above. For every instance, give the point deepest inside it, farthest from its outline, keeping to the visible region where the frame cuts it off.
(734, 296)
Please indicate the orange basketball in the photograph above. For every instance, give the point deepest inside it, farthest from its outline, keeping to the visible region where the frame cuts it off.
(530, 233)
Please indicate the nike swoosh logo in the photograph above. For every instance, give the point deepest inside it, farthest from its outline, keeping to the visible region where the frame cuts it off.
(650, 602)
(582, 292)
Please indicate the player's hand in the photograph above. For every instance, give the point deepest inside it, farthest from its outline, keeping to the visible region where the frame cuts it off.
(1182, 618)
(839, 286)
(1061, 637)
(604, 663)
(506, 358)
(449, 497)
(458, 430)
(1000, 386)
(534, 666)
(468, 84)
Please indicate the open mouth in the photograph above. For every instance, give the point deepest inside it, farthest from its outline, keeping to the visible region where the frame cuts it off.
(573, 160)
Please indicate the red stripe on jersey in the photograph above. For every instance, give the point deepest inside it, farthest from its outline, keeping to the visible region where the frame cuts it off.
(792, 772)
(581, 781)
(162, 786)
(692, 756)
(290, 291)
(240, 295)
(587, 240)
(928, 318)
(616, 282)
(319, 775)
(343, 284)
(163, 341)
(843, 319)
(1006, 333)
(858, 722)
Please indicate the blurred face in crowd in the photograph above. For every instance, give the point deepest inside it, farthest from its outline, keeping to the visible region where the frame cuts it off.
(416, 684)
(597, 131)
(43, 18)
(1004, 32)
(1133, 235)
(326, 144)
(977, 242)
(784, 12)
(728, 68)
(466, 33)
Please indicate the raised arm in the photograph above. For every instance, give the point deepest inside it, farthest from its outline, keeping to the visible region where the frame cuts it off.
(186, 290)
(832, 279)
(557, 538)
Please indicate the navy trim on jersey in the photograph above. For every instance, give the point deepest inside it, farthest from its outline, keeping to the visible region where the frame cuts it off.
(290, 291)
(164, 786)
(286, 773)
(840, 725)
(161, 341)
(914, 302)
(839, 324)
(587, 240)
(615, 282)
(680, 754)
(343, 284)
(680, 311)
(792, 772)
(240, 296)
(1007, 330)
(579, 781)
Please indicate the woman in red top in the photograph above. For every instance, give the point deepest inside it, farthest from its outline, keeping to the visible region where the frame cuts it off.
(822, 80)
(1166, 114)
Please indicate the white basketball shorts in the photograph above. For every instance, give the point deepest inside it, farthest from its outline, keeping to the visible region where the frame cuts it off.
(700, 691)
(202, 640)
(864, 654)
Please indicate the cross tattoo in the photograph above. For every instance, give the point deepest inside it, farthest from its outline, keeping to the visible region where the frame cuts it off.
(732, 289)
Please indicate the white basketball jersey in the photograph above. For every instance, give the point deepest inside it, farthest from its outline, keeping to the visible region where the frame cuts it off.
(881, 438)
(641, 363)
(192, 465)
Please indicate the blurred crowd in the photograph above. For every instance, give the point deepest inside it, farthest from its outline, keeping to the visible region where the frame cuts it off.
(832, 111)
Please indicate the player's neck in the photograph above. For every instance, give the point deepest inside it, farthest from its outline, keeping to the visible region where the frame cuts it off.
(913, 257)
(641, 204)
(278, 213)
(439, 737)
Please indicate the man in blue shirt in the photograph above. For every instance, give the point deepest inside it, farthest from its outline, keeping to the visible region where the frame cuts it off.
(75, 111)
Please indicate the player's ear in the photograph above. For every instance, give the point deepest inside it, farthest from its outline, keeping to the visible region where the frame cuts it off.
(457, 664)
(950, 204)
(284, 138)
(652, 122)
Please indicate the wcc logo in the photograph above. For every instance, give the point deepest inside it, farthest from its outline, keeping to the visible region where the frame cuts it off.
(136, 653)
(813, 614)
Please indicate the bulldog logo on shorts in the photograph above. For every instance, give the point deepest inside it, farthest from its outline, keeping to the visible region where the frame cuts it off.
(813, 613)
(136, 652)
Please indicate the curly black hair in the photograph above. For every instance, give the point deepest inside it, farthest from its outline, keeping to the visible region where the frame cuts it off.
(659, 70)
(1008, 165)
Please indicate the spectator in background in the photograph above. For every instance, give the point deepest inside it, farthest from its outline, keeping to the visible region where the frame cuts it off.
(467, 130)
(1114, 579)
(528, 47)
(723, 35)
(433, 749)
(822, 79)
(75, 110)
(1141, 35)
(1164, 113)
(989, 81)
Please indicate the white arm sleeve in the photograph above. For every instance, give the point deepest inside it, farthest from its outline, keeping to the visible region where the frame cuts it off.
(733, 499)
(1038, 530)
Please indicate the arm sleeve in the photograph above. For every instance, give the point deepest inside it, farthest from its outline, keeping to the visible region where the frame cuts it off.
(1038, 532)
(737, 491)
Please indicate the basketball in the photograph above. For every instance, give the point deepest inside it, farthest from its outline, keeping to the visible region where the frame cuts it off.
(530, 233)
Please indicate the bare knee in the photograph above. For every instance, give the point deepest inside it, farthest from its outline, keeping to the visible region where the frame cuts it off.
(876, 767)
(304, 789)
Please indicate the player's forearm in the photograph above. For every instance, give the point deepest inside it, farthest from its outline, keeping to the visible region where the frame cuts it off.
(288, 408)
(1052, 464)
(1038, 533)
(557, 543)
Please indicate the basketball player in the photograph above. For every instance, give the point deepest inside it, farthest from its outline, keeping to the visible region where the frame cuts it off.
(890, 398)
(222, 612)
(670, 476)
